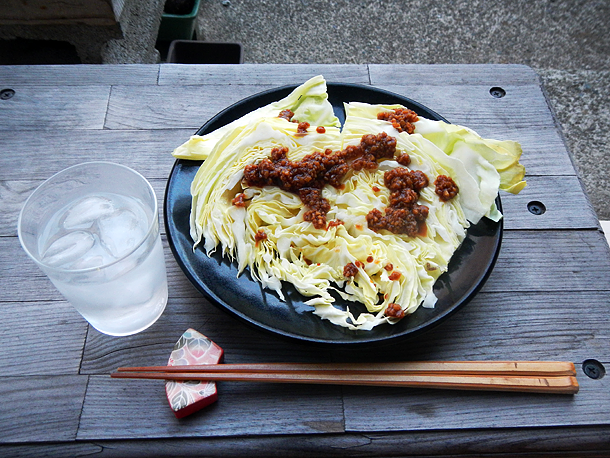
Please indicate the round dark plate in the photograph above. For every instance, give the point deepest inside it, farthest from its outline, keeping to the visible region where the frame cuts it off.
(216, 277)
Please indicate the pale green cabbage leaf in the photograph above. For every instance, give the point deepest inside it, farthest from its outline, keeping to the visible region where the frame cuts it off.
(309, 103)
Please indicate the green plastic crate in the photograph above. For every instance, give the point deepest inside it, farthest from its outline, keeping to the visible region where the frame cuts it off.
(178, 27)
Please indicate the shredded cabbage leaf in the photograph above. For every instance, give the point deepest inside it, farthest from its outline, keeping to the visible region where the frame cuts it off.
(313, 260)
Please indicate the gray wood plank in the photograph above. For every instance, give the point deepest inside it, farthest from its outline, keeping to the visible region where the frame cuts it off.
(563, 200)
(162, 107)
(34, 109)
(565, 442)
(20, 278)
(528, 326)
(526, 263)
(157, 107)
(474, 107)
(117, 408)
(395, 410)
(544, 152)
(13, 195)
(510, 442)
(40, 156)
(566, 206)
(542, 328)
(453, 74)
(16, 76)
(40, 408)
(41, 338)
(273, 74)
(241, 343)
(52, 450)
(150, 154)
(551, 261)
(15, 288)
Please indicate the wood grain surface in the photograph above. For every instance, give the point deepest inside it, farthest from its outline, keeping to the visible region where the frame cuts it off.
(548, 297)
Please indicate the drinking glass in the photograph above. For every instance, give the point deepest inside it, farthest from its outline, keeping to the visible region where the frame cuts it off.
(93, 229)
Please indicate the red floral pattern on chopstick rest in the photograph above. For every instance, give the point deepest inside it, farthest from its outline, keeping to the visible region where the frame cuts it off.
(186, 398)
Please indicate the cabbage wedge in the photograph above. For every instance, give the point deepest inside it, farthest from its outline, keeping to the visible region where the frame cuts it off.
(267, 232)
(309, 102)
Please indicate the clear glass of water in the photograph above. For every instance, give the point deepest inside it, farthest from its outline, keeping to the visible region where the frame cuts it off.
(94, 231)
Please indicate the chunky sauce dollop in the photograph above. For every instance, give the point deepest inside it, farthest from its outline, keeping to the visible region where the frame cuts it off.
(402, 119)
(403, 215)
(445, 188)
(308, 176)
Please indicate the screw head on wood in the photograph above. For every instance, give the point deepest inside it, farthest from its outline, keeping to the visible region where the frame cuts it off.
(497, 92)
(536, 208)
(6, 94)
(593, 369)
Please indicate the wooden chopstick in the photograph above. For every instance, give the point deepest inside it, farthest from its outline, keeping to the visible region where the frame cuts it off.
(525, 376)
(535, 368)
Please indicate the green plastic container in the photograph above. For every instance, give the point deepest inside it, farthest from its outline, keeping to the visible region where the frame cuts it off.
(178, 27)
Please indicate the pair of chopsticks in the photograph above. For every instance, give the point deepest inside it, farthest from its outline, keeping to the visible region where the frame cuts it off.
(525, 376)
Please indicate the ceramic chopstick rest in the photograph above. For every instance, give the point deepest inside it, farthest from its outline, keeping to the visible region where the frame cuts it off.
(188, 397)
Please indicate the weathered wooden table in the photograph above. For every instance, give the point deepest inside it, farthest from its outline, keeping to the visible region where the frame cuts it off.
(548, 297)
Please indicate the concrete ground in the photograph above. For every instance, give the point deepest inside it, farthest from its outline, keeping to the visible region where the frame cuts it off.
(566, 41)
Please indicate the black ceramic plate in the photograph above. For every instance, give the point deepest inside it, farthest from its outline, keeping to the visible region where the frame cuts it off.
(217, 278)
